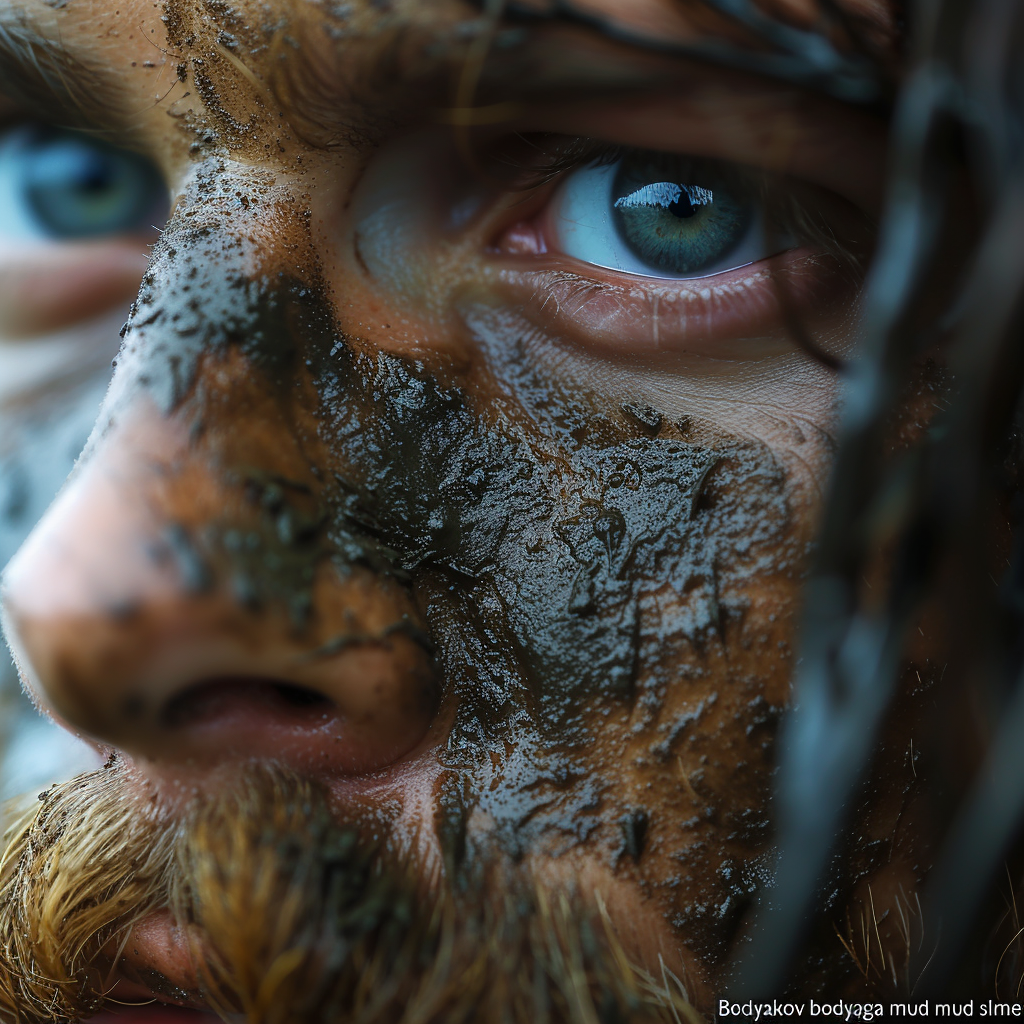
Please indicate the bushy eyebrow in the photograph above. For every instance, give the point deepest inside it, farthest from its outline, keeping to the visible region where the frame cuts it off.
(569, 51)
(42, 78)
(414, 76)
(326, 108)
(748, 38)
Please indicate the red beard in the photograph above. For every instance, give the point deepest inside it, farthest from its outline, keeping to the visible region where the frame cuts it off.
(287, 917)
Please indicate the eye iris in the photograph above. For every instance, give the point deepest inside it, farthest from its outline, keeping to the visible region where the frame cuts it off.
(80, 188)
(678, 214)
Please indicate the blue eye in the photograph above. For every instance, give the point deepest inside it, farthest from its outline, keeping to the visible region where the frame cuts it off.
(62, 185)
(660, 215)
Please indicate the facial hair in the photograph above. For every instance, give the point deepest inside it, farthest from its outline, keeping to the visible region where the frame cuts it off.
(290, 918)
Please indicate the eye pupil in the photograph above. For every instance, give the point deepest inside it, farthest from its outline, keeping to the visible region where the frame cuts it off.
(95, 178)
(682, 207)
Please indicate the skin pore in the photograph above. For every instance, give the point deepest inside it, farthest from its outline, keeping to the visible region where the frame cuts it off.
(490, 554)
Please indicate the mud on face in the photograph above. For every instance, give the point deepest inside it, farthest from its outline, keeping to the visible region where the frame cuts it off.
(601, 595)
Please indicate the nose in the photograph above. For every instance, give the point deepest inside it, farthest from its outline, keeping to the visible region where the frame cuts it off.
(182, 600)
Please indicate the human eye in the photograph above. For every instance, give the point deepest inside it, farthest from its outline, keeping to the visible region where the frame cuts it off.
(57, 184)
(77, 216)
(660, 215)
(709, 256)
(639, 253)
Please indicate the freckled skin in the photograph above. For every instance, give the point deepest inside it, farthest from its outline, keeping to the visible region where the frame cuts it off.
(590, 610)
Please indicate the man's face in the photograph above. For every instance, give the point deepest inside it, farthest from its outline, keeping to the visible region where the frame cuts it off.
(456, 478)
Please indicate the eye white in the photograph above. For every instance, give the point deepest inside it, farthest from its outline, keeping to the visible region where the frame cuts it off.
(582, 217)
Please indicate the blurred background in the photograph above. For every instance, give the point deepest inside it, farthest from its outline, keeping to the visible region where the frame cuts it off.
(50, 390)
(77, 216)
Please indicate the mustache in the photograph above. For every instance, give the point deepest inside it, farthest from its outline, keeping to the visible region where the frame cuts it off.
(291, 918)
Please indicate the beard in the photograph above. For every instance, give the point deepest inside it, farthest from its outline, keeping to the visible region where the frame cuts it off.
(291, 918)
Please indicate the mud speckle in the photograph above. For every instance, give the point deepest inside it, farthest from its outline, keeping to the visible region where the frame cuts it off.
(645, 415)
(634, 826)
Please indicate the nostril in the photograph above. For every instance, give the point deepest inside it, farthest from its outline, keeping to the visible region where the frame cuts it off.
(234, 698)
(228, 718)
(301, 696)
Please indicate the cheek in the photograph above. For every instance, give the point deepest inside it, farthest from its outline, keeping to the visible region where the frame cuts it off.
(664, 780)
(685, 765)
(608, 558)
(582, 515)
(568, 557)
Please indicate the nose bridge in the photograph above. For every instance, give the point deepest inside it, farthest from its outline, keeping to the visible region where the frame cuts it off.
(198, 435)
(190, 563)
(233, 268)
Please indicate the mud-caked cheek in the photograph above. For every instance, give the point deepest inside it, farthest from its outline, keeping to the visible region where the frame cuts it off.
(566, 558)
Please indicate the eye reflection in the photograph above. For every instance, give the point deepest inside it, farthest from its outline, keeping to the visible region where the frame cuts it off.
(57, 184)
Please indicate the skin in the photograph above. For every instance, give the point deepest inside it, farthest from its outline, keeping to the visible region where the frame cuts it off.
(530, 532)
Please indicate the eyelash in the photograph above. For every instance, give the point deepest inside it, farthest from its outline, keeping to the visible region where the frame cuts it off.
(560, 155)
(793, 210)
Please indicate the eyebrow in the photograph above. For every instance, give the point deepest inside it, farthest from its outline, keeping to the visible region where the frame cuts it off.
(40, 77)
(559, 53)
(553, 49)
(745, 37)
(326, 108)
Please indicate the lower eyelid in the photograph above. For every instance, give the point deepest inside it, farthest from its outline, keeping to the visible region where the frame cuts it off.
(736, 314)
